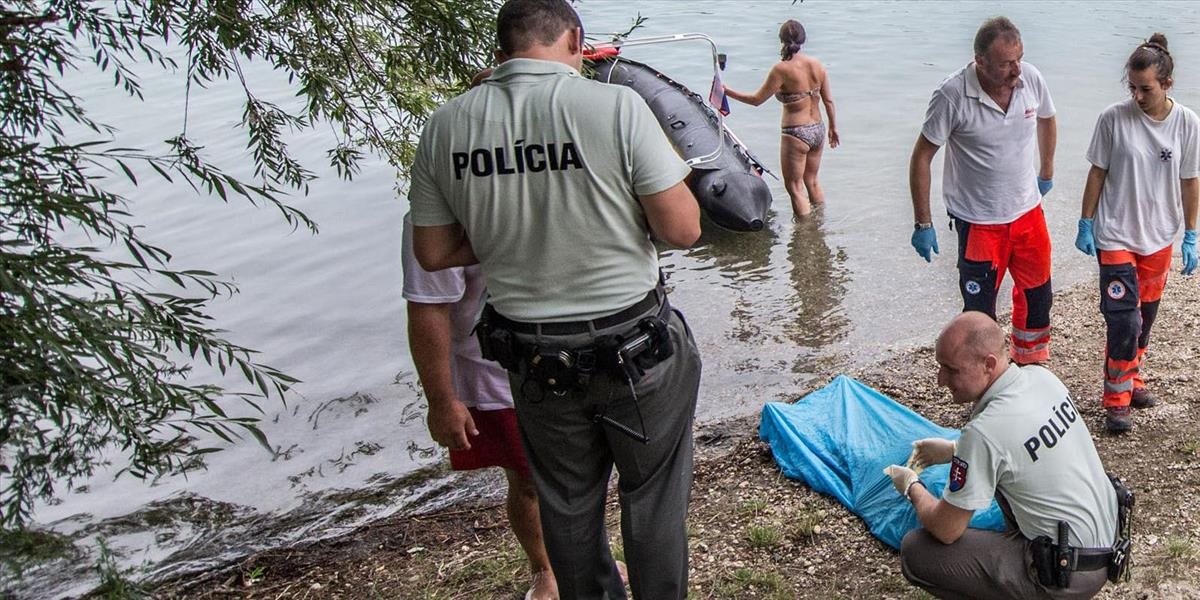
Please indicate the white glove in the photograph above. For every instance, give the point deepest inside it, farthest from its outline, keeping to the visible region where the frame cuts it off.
(902, 477)
(931, 451)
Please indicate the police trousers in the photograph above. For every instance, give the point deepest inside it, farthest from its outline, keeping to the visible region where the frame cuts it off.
(983, 565)
(572, 456)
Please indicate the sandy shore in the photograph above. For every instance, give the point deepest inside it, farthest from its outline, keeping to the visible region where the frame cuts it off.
(755, 534)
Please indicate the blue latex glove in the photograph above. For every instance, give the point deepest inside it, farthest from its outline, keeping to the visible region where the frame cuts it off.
(1045, 185)
(925, 241)
(1189, 252)
(1085, 240)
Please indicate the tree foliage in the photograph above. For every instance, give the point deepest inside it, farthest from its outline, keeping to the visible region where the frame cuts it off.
(98, 342)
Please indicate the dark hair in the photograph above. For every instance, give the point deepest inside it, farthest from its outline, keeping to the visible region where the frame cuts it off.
(792, 36)
(521, 24)
(1152, 53)
(993, 28)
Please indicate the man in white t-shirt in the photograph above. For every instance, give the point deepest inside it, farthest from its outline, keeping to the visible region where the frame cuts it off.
(1028, 445)
(996, 119)
(470, 406)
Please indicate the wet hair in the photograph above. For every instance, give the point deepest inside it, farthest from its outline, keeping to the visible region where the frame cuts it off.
(792, 36)
(991, 30)
(521, 24)
(1152, 53)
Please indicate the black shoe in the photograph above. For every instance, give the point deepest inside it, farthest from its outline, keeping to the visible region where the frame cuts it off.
(1117, 420)
(1142, 398)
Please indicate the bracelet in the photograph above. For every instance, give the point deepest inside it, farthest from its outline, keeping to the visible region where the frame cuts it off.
(908, 488)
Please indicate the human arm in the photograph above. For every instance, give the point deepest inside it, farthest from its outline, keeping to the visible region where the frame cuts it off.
(429, 327)
(827, 100)
(1047, 134)
(919, 177)
(1085, 237)
(442, 246)
(943, 520)
(1190, 189)
(673, 215)
(772, 84)
(1091, 192)
(924, 237)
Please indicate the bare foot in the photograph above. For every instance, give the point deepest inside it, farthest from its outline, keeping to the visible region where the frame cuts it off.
(542, 586)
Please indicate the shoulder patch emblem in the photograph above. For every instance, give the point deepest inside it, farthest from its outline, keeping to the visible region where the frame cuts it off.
(973, 287)
(958, 474)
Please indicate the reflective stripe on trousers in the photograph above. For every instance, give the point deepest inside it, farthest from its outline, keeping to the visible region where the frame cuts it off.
(1131, 286)
(1022, 248)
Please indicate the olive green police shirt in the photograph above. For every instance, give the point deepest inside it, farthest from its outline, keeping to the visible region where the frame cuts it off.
(543, 168)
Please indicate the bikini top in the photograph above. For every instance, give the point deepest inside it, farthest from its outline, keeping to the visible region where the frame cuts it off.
(790, 97)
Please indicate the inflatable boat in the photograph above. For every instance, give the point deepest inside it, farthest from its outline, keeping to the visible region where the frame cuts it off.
(726, 178)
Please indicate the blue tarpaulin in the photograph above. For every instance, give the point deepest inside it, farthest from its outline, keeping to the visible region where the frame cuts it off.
(839, 438)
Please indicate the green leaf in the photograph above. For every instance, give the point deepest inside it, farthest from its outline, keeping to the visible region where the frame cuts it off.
(128, 173)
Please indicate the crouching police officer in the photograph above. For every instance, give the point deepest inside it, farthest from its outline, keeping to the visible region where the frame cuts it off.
(1026, 445)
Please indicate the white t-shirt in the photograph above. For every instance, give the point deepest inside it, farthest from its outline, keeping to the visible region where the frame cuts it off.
(1141, 207)
(543, 170)
(480, 383)
(1026, 438)
(992, 156)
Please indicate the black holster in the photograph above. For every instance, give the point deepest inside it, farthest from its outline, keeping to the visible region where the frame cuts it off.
(1121, 565)
(1054, 561)
(497, 344)
(1043, 560)
(640, 349)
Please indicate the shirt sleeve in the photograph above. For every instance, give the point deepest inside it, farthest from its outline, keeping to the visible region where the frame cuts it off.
(1045, 102)
(939, 118)
(654, 165)
(424, 287)
(426, 199)
(1189, 166)
(1099, 152)
(973, 472)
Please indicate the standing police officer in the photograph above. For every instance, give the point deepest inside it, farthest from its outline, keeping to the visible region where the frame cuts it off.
(556, 184)
(1026, 443)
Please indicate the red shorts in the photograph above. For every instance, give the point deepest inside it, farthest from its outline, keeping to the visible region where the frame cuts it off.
(497, 445)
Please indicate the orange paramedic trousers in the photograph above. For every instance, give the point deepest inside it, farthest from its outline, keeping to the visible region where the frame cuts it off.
(1022, 248)
(1131, 286)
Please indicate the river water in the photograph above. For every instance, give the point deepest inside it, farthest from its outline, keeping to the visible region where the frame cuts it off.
(771, 311)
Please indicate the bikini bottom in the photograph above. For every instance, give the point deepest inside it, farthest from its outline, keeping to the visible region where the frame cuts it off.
(812, 134)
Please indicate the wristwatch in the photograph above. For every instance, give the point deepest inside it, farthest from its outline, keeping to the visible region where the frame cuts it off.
(919, 226)
(910, 487)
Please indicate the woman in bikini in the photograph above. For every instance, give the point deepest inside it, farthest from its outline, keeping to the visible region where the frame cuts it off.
(798, 82)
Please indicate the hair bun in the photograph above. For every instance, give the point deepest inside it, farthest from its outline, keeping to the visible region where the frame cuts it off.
(1158, 40)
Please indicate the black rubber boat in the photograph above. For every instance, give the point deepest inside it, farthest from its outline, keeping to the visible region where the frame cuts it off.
(726, 179)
